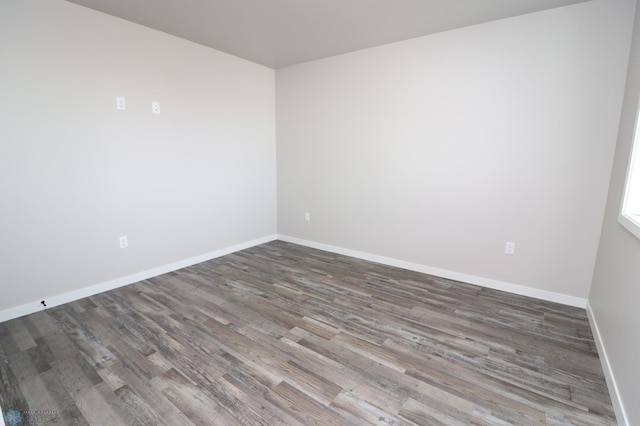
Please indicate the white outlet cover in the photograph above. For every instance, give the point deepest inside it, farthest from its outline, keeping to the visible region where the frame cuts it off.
(121, 103)
(155, 107)
(510, 247)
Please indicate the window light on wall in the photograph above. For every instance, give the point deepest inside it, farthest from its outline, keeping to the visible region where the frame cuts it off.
(630, 210)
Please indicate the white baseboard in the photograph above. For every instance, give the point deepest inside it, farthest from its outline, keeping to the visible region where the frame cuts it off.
(618, 407)
(550, 296)
(35, 306)
(61, 299)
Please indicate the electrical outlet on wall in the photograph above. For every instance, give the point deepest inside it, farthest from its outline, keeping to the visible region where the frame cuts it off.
(307, 216)
(124, 241)
(510, 248)
(121, 103)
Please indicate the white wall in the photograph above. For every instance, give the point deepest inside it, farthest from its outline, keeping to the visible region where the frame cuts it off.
(615, 292)
(438, 150)
(75, 173)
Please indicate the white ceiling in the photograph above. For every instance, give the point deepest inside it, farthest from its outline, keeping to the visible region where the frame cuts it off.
(278, 33)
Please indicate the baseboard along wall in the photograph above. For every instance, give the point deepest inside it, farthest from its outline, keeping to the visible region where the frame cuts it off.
(57, 300)
(60, 299)
(36, 306)
(618, 406)
(550, 296)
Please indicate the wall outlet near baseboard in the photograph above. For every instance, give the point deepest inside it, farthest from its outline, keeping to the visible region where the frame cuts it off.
(307, 216)
(510, 247)
(124, 241)
(121, 103)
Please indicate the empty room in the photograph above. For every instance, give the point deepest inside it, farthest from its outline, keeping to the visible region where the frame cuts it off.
(408, 212)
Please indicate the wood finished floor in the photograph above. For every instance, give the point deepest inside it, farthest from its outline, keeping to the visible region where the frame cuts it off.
(280, 334)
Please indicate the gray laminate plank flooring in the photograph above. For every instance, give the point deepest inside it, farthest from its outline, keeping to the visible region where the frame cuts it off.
(281, 334)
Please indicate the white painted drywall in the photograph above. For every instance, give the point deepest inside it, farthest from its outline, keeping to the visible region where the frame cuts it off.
(75, 173)
(615, 291)
(438, 150)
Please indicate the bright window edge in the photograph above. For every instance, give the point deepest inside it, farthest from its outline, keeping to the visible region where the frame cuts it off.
(631, 220)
